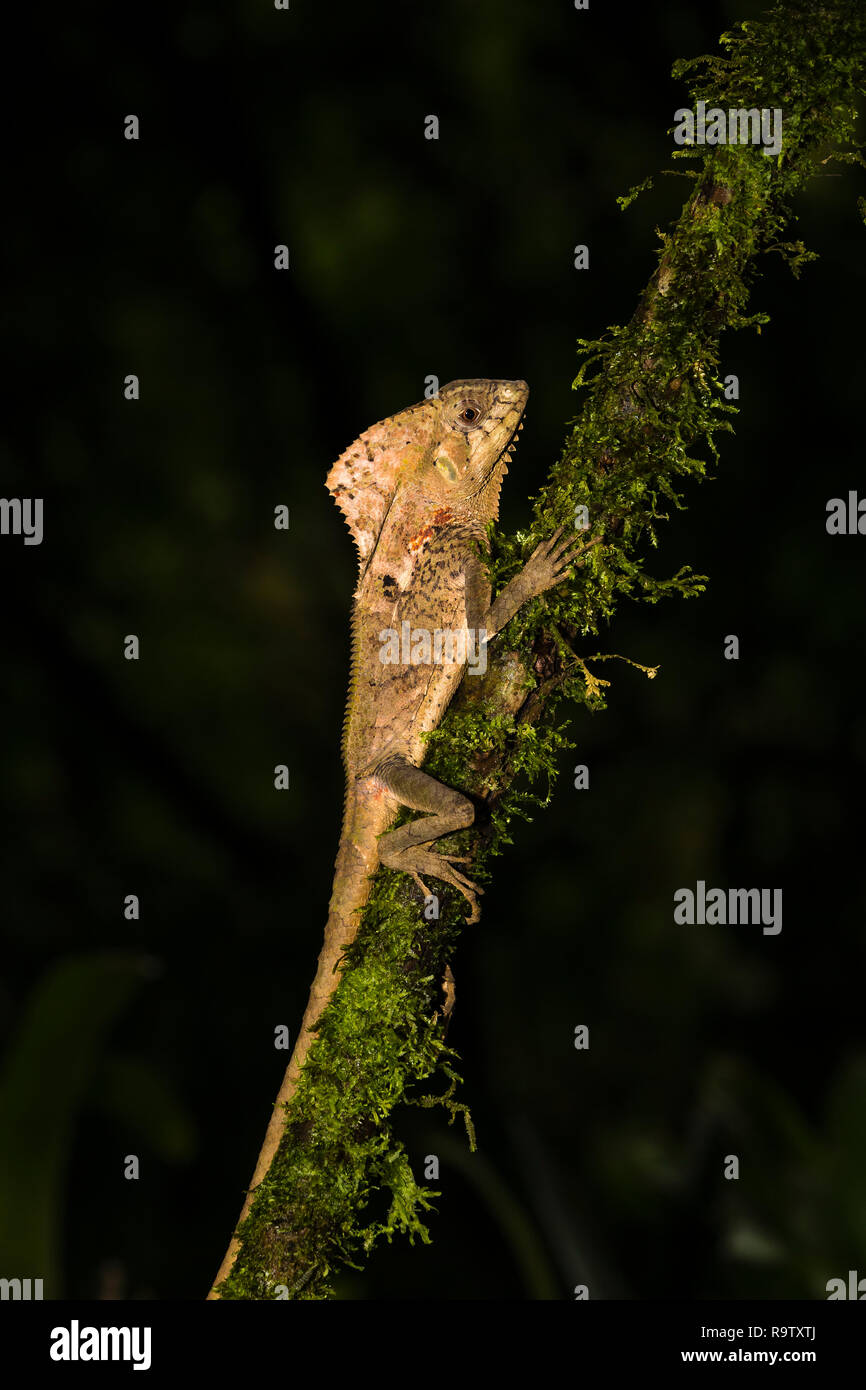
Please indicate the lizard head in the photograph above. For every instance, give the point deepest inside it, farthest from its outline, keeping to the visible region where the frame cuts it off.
(477, 427)
(450, 452)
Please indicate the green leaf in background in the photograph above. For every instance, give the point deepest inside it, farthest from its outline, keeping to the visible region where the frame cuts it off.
(130, 1090)
(846, 1140)
(47, 1070)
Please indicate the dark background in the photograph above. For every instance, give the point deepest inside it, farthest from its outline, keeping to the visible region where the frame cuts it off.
(155, 777)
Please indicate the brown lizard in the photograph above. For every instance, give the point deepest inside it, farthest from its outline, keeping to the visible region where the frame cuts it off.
(417, 491)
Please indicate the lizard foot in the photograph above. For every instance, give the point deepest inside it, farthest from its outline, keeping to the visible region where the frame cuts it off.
(551, 561)
(408, 847)
(416, 861)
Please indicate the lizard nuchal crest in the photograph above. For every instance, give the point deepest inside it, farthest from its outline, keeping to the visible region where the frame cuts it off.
(417, 491)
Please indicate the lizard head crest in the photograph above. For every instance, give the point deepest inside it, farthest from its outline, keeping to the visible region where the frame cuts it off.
(450, 451)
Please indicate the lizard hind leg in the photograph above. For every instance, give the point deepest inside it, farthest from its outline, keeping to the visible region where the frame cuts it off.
(408, 847)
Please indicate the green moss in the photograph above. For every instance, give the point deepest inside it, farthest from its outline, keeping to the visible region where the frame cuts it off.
(652, 401)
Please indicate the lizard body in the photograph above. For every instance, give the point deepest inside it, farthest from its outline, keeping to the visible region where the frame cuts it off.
(417, 491)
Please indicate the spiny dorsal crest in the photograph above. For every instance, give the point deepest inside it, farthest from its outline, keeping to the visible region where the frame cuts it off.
(364, 479)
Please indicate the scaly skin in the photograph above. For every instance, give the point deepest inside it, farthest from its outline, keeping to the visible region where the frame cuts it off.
(417, 491)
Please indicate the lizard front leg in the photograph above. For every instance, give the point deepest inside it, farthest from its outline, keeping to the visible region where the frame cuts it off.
(547, 566)
(447, 810)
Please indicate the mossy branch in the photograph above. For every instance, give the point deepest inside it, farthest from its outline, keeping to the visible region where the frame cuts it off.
(341, 1180)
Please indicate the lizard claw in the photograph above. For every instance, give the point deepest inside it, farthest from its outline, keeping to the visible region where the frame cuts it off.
(567, 554)
(420, 884)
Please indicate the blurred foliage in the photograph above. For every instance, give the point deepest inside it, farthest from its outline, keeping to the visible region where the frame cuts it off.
(156, 777)
(47, 1068)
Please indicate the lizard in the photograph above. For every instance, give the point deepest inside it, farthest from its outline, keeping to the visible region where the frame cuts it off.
(417, 491)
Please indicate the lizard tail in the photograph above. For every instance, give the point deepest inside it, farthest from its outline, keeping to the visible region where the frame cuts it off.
(367, 815)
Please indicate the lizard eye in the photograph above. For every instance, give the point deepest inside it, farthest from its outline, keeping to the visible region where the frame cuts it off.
(469, 415)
